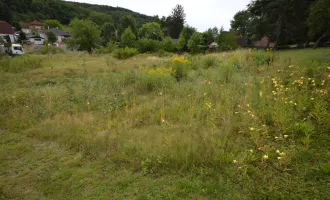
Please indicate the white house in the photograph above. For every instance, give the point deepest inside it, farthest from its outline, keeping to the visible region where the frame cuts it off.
(36, 40)
(7, 30)
(28, 27)
(61, 35)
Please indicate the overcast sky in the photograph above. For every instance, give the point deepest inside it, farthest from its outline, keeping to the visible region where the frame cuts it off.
(201, 14)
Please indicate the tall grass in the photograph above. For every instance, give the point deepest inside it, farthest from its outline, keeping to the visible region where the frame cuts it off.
(253, 119)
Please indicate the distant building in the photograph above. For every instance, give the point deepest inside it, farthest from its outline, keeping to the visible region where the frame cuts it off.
(213, 45)
(7, 29)
(264, 43)
(37, 40)
(61, 35)
(28, 27)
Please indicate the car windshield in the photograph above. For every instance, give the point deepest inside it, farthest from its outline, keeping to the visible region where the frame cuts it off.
(18, 48)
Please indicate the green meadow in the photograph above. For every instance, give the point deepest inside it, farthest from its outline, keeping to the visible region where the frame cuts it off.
(238, 125)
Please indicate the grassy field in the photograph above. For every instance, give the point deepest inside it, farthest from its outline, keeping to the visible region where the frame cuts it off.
(239, 125)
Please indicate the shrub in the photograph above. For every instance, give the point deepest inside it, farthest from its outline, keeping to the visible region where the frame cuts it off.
(124, 53)
(20, 63)
(128, 38)
(148, 45)
(104, 50)
(151, 79)
(168, 45)
(181, 67)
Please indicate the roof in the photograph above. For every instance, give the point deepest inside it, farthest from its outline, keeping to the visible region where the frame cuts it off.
(59, 32)
(6, 28)
(263, 42)
(34, 23)
(36, 37)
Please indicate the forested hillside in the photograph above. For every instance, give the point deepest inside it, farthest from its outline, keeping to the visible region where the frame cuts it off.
(28, 10)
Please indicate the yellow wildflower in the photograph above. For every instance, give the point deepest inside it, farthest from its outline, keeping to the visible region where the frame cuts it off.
(265, 157)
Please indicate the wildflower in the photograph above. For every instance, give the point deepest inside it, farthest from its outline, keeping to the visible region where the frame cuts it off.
(264, 125)
(278, 151)
(252, 129)
(87, 102)
(234, 161)
(282, 154)
(251, 151)
(204, 94)
(260, 94)
(276, 138)
(265, 157)
(286, 136)
(279, 158)
(236, 113)
(160, 93)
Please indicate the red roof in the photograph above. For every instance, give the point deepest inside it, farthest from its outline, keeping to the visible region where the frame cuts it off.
(34, 23)
(6, 28)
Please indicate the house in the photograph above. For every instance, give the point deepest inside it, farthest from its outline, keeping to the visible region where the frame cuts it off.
(37, 40)
(7, 29)
(61, 35)
(264, 43)
(28, 27)
(213, 45)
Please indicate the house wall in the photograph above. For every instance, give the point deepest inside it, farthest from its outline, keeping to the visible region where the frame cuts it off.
(26, 30)
(36, 41)
(12, 37)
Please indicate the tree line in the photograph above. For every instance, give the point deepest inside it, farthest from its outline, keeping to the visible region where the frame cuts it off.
(285, 21)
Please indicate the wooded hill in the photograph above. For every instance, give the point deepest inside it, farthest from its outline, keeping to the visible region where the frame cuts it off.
(29, 10)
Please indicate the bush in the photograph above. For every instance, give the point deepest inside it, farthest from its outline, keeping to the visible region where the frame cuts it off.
(168, 45)
(260, 58)
(20, 63)
(181, 67)
(124, 53)
(111, 47)
(148, 45)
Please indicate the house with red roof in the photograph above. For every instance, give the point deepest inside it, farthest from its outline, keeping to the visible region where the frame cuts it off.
(7, 29)
(27, 27)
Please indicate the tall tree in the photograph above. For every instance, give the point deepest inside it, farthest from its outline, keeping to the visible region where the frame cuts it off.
(109, 32)
(176, 21)
(194, 42)
(241, 23)
(128, 38)
(151, 30)
(128, 21)
(185, 35)
(52, 23)
(319, 20)
(85, 34)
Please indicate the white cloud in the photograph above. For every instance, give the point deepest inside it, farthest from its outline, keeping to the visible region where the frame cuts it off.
(201, 14)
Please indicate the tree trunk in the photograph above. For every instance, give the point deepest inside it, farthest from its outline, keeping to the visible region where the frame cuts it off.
(307, 44)
(320, 39)
(279, 31)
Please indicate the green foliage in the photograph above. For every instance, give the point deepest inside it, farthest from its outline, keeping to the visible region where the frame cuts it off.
(52, 38)
(49, 49)
(227, 41)
(151, 30)
(52, 23)
(124, 53)
(109, 33)
(128, 21)
(20, 64)
(128, 38)
(85, 34)
(241, 23)
(148, 45)
(168, 45)
(185, 35)
(155, 80)
(210, 61)
(319, 18)
(176, 21)
(194, 42)
(100, 18)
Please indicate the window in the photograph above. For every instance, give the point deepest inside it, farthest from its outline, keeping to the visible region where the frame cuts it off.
(18, 48)
(37, 40)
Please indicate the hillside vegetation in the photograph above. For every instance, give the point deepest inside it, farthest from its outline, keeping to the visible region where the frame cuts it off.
(64, 11)
(236, 125)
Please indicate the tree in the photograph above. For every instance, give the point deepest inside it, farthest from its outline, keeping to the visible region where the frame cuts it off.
(319, 20)
(176, 21)
(227, 40)
(185, 35)
(128, 38)
(52, 23)
(127, 21)
(109, 33)
(22, 36)
(85, 34)
(241, 23)
(100, 18)
(52, 38)
(168, 45)
(151, 30)
(194, 42)
(5, 13)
